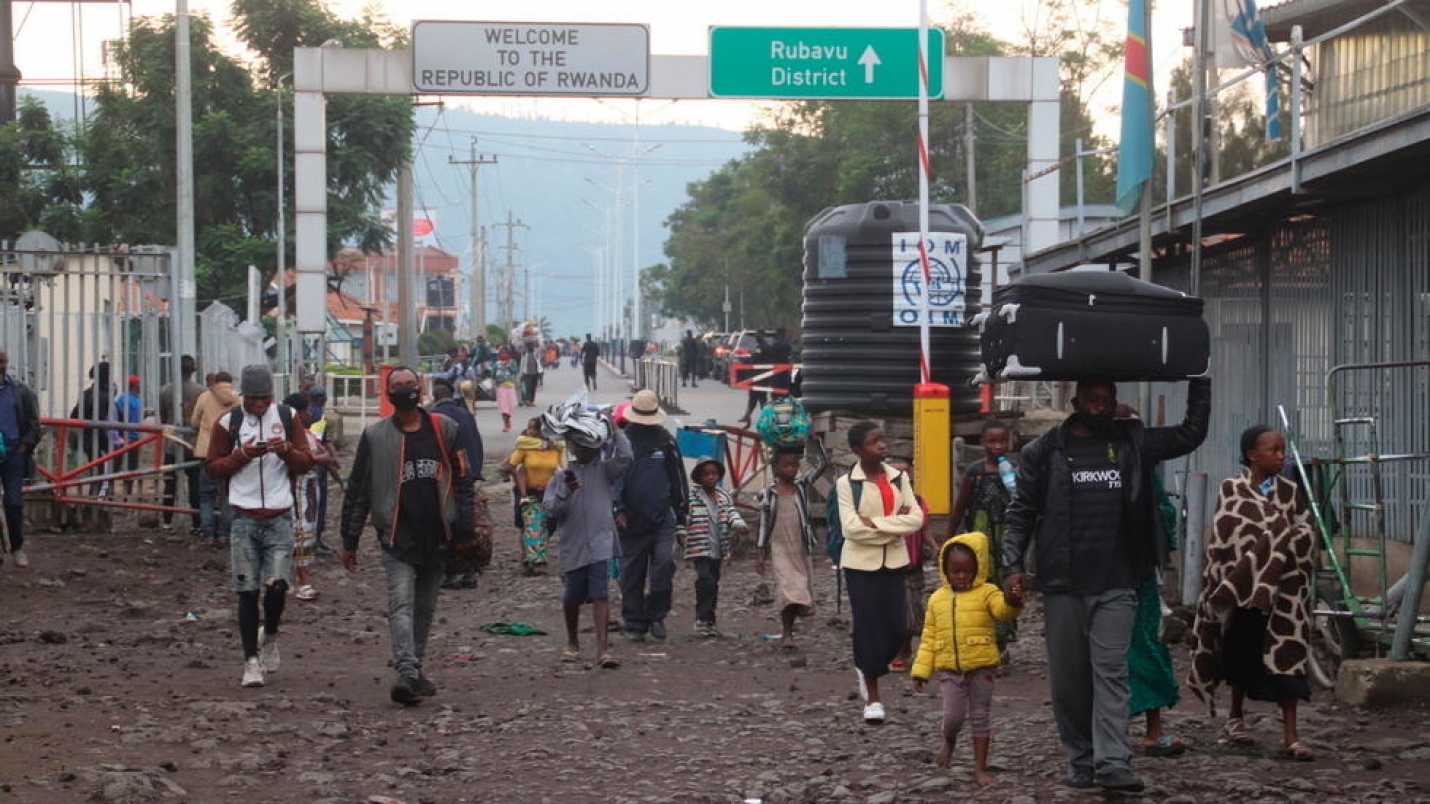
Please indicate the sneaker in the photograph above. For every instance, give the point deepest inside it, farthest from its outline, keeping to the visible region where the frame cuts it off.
(635, 636)
(404, 691)
(322, 550)
(253, 673)
(657, 629)
(21, 560)
(167, 527)
(1079, 781)
(424, 687)
(874, 713)
(268, 652)
(1119, 780)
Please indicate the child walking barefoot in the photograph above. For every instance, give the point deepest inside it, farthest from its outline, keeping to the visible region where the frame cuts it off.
(959, 644)
(578, 498)
(786, 542)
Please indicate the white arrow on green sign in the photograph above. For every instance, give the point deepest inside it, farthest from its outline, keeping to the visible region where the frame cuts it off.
(870, 63)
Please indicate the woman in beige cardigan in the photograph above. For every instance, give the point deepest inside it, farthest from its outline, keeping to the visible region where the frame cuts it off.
(877, 508)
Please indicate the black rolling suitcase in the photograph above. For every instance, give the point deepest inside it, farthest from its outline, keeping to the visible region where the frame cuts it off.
(1092, 324)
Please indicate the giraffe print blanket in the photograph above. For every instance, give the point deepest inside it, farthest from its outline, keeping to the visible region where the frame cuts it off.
(1260, 555)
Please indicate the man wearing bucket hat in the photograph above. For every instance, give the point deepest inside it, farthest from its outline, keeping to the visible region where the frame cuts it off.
(651, 502)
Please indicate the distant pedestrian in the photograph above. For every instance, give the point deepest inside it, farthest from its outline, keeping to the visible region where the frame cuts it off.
(19, 434)
(504, 374)
(874, 557)
(321, 423)
(786, 543)
(530, 374)
(707, 537)
(578, 500)
(958, 645)
(590, 354)
(260, 448)
(689, 359)
(305, 504)
(651, 503)
(189, 393)
(211, 406)
(96, 406)
(129, 407)
(533, 463)
(411, 477)
(464, 560)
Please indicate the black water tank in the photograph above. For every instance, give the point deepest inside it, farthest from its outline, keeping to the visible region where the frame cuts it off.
(861, 273)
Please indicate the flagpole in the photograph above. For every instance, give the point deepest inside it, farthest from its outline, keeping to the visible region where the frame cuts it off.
(1144, 223)
(925, 353)
(1199, 140)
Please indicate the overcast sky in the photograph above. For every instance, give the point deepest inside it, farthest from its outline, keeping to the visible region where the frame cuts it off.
(47, 32)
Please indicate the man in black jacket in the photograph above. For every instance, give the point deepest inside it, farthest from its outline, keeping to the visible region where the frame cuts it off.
(20, 429)
(1085, 497)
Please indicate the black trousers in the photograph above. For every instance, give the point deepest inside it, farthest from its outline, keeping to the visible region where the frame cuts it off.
(707, 589)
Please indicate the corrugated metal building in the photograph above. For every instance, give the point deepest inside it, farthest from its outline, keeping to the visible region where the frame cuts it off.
(1318, 260)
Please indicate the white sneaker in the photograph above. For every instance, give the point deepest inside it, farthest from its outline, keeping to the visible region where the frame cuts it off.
(21, 560)
(268, 652)
(874, 713)
(863, 688)
(252, 673)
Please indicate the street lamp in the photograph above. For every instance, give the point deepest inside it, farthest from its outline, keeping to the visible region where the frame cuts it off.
(621, 162)
(280, 327)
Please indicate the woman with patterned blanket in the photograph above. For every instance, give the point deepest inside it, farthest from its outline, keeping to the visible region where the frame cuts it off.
(1253, 617)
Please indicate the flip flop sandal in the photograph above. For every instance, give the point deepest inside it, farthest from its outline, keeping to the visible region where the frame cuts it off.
(898, 666)
(609, 662)
(1300, 752)
(570, 657)
(1237, 733)
(1166, 746)
(306, 592)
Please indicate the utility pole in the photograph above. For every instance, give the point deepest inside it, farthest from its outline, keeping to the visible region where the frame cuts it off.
(9, 73)
(478, 290)
(406, 309)
(187, 303)
(506, 307)
(970, 160)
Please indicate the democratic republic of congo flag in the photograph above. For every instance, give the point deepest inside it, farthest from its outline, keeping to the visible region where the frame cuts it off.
(1134, 156)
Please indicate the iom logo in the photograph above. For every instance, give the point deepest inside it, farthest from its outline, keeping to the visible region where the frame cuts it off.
(948, 274)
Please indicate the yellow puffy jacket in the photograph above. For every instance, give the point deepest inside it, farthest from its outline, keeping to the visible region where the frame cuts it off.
(959, 630)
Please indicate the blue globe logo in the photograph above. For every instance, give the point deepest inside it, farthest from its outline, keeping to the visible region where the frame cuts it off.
(945, 283)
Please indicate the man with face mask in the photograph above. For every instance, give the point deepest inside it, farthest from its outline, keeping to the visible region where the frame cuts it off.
(411, 475)
(1084, 495)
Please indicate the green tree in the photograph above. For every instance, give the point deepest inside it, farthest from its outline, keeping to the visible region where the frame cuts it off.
(1239, 120)
(40, 187)
(129, 146)
(744, 225)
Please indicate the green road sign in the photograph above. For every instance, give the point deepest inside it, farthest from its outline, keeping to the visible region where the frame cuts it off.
(821, 62)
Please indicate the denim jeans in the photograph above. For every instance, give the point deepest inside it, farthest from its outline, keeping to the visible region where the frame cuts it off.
(649, 554)
(12, 474)
(213, 494)
(261, 550)
(411, 606)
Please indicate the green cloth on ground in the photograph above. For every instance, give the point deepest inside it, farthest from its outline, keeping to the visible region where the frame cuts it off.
(512, 629)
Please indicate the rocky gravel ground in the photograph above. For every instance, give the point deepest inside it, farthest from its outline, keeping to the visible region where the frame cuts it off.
(119, 682)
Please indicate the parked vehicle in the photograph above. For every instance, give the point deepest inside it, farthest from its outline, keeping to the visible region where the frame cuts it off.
(740, 348)
(713, 345)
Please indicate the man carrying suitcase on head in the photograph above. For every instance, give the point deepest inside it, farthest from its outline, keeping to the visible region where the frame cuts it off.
(1084, 495)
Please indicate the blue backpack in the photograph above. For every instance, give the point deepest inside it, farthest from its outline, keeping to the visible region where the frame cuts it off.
(833, 530)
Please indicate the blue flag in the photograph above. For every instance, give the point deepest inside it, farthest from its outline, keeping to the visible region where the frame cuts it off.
(1250, 45)
(1134, 156)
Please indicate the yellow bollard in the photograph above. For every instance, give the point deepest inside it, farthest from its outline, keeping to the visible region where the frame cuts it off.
(933, 450)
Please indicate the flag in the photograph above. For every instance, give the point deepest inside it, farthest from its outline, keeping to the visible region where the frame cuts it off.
(1241, 41)
(1134, 156)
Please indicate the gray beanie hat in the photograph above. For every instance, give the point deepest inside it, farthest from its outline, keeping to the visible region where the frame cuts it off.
(256, 380)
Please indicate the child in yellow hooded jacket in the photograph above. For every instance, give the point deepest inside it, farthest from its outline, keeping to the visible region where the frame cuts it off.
(960, 643)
